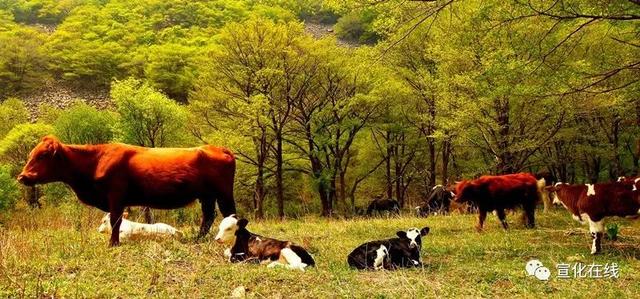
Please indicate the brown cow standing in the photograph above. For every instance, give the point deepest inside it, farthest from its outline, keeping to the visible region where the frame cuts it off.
(497, 193)
(594, 202)
(111, 177)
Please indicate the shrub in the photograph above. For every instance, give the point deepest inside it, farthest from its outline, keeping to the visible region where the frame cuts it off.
(16, 145)
(148, 117)
(9, 189)
(83, 124)
(357, 26)
(12, 113)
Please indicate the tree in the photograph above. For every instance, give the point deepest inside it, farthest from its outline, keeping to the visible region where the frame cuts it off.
(330, 118)
(83, 124)
(22, 58)
(264, 65)
(148, 117)
(12, 113)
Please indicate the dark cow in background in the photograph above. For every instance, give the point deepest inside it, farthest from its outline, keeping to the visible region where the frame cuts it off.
(592, 203)
(438, 202)
(111, 177)
(498, 193)
(247, 246)
(380, 205)
(400, 252)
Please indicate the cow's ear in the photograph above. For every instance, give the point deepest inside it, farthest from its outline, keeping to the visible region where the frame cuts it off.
(53, 144)
(242, 223)
(424, 231)
(402, 234)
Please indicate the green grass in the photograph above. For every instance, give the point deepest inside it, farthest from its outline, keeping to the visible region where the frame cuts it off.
(59, 252)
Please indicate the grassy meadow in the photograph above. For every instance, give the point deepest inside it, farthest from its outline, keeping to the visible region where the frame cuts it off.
(57, 252)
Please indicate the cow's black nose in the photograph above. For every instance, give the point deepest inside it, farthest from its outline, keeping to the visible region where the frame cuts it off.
(23, 179)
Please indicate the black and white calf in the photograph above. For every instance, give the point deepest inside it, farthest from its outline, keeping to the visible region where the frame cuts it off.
(400, 252)
(247, 246)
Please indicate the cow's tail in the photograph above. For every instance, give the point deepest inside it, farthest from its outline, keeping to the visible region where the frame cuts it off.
(303, 254)
(542, 194)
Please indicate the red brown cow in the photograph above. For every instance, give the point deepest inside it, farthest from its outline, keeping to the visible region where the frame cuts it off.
(111, 177)
(593, 202)
(497, 193)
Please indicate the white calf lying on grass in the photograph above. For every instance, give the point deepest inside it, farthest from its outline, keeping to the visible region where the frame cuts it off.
(130, 229)
(247, 246)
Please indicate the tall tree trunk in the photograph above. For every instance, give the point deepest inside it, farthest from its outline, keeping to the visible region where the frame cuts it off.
(617, 164)
(259, 193)
(637, 155)
(446, 153)
(388, 165)
(279, 183)
(505, 163)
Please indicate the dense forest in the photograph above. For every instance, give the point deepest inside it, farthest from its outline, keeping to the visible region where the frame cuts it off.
(396, 97)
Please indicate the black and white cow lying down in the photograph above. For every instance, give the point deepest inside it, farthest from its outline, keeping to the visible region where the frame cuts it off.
(249, 247)
(400, 252)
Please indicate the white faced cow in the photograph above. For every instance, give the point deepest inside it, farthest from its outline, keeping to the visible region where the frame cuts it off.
(400, 252)
(247, 246)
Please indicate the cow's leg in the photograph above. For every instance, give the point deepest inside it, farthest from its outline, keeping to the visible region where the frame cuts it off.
(208, 215)
(530, 214)
(503, 218)
(226, 203)
(482, 215)
(115, 217)
(597, 231)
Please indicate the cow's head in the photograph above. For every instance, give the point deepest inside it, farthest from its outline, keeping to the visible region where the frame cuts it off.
(553, 192)
(462, 192)
(228, 228)
(414, 236)
(105, 223)
(44, 164)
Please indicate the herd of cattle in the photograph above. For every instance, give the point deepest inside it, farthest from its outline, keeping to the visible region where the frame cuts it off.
(112, 177)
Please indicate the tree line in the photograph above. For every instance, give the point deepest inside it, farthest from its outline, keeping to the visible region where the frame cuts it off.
(473, 88)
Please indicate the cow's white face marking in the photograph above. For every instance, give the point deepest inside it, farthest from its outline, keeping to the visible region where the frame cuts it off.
(621, 178)
(227, 229)
(542, 273)
(591, 189)
(381, 253)
(105, 224)
(635, 182)
(412, 234)
(531, 266)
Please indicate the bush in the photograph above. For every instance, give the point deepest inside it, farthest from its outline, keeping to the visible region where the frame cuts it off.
(12, 113)
(83, 124)
(9, 189)
(18, 143)
(357, 26)
(148, 117)
(22, 59)
(55, 194)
